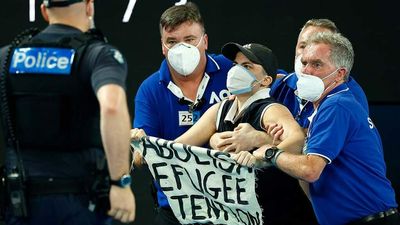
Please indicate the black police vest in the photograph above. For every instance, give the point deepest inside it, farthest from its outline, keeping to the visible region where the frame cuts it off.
(251, 115)
(52, 104)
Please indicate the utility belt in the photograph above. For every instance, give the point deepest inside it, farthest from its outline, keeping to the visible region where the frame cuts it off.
(375, 217)
(19, 193)
(47, 186)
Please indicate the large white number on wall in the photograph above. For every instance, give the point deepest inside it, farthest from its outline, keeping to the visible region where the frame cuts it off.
(125, 19)
(181, 2)
(129, 10)
(32, 10)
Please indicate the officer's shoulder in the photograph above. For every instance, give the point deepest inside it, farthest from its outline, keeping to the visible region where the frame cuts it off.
(101, 49)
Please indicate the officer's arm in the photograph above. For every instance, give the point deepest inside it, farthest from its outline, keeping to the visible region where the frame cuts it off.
(115, 128)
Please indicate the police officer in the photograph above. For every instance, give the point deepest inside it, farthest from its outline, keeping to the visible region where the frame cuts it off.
(63, 101)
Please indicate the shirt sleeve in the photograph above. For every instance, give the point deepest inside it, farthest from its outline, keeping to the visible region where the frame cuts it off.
(328, 131)
(109, 67)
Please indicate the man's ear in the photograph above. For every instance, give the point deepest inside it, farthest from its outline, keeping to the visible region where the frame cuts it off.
(341, 74)
(90, 8)
(205, 39)
(267, 81)
(43, 10)
(163, 48)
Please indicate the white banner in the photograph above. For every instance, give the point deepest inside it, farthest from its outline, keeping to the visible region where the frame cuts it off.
(202, 185)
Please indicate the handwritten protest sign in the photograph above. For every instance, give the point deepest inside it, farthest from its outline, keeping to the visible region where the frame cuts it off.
(202, 185)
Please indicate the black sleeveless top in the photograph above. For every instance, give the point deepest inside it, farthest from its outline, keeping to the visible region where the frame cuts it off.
(279, 195)
(251, 114)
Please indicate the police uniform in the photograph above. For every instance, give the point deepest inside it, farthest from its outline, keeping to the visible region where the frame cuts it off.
(355, 176)
(283, 90)
(53, 79)
(162, 110)
(278, 194)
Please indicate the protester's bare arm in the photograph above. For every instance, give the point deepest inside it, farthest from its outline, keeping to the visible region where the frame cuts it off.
(199, 134)
(292, 136)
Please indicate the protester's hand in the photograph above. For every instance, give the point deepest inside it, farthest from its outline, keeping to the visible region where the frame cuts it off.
(137, 133)
(122, 203)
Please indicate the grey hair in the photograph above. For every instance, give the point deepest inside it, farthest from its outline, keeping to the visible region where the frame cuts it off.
(322, 23)
(342, 53)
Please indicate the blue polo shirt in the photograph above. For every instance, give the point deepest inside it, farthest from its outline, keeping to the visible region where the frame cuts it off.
(161, 113)
(353, 184)
(283, 91)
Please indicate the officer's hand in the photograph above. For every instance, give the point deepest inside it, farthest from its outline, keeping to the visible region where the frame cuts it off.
(275, 131)
(219, 141)
(122, 203)
(137, 133)
(244, 138)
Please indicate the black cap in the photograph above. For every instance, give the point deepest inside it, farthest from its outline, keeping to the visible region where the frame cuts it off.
(59, 3)
(256, 53)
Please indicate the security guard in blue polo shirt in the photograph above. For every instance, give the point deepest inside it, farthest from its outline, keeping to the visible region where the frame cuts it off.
(63, 100)
(188, 82)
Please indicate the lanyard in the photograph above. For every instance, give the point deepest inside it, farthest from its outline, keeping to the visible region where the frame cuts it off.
(182, 98)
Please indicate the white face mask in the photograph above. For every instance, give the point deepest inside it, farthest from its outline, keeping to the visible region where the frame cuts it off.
(239, 80)
(183, 57)
(311, 87)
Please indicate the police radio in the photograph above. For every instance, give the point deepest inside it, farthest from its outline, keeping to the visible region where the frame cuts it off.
(16, 192)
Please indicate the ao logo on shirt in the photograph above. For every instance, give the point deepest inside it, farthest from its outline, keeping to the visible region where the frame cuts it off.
(214, 98)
